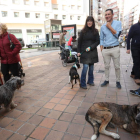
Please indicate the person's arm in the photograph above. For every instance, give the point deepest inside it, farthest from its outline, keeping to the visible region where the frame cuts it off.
(60, 40)
(116, 32)
(101, 39)
(79, 43)
(130, 35)
(69, 42)
(17, 44)
(94, 45)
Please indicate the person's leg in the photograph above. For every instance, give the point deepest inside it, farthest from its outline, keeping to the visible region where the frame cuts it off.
(14, 69)
(107, 58)
(136, 59)
(5, 71)
(90, 74)
(83, 75)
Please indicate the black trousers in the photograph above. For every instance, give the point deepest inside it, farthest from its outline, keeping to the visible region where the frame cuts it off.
(136, 61)
(13, 68)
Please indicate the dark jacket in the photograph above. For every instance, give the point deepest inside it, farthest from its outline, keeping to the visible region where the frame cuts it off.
(9, 56)
(91, 40)
(134, 34)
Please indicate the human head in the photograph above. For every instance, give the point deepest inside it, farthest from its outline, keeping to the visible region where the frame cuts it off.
(3, 28)
(64, 32)
(109, 15)
(74, 38)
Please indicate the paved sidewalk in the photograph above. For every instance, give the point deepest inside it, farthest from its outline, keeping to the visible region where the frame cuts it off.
(48, 109)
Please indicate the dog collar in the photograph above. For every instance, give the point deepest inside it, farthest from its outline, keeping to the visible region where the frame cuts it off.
(75, 66)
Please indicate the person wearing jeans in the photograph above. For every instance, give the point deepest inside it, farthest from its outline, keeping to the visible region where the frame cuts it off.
(87, 50)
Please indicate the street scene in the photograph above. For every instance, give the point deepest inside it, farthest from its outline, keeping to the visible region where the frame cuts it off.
(70, 70)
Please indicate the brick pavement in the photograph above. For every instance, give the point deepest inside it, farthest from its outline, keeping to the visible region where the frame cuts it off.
(48, 109)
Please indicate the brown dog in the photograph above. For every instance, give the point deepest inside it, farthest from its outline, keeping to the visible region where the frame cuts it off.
(102, 114)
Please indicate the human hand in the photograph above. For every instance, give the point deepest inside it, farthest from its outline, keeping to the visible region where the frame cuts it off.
(128, 51)
(78, 54)
(108, 24)
(88, 49)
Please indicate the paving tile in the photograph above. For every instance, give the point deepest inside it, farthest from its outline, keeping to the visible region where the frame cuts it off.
(64, 102)
(17, 137)
(86, 105)
(60, 107)
(66, 117)
(59, 95)
(71, 92)
(40, 103)
(39, 133)
(5, 134)
(75, 129)
(63, 91)
(70, 137)
(49, 105)
(14, 125)
(14, 113)
(5, 121)
(86, 139)
(71, 109)
(88, 132)
(25, 116)
(61, 126)
(54, 135)
(23, 107)
(55, 100)
(26, 129)
(33, 109)
(81, 111)
(75, 103)
(48, 123)
(80, 119)
(69, 97)
(43, 112)
(54, 114)
(36, 119)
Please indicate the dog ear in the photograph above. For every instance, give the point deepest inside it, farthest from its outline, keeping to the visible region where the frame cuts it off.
(134, 108)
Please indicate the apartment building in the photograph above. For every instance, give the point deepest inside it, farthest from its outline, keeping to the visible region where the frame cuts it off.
(25, 18)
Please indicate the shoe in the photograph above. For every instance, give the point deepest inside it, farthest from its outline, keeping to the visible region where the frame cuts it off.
(135, 92)
(104, 83)
(118, 85)
(132, 76)
(83, 87)
(91, 84)
(137, 81)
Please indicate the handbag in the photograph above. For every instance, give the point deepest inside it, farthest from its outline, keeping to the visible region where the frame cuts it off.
(12, 45)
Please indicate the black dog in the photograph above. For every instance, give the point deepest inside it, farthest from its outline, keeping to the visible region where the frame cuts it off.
(73, 74)
(7, 92)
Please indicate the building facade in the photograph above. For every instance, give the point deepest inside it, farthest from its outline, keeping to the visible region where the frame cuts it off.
(25, 18)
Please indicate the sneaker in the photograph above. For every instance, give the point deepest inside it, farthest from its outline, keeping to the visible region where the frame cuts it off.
(118, 85)
(135, 92)
(104, 83)
(83, 87)
(91, 84)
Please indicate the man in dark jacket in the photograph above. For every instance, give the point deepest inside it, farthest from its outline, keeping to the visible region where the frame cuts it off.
(134, 34)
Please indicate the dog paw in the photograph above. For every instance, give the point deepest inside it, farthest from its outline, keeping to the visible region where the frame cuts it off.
(94, 137)
(15, 105)
(125, 126)
(115, 136)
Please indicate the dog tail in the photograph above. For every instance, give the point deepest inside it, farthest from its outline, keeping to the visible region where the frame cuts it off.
(94, 124)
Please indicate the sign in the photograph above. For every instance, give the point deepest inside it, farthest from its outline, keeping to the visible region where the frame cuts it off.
(34, 31)
(56, 35)
(14, 31)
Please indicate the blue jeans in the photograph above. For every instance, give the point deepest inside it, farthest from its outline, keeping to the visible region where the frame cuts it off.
(90, 74)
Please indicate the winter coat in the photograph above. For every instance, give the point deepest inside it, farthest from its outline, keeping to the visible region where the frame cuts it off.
(91, 40)
(9, 56)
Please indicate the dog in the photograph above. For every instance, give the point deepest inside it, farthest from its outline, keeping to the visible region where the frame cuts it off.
(103, 114)
(7, 92)
(73, 74)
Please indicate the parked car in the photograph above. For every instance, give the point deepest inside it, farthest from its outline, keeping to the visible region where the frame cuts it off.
(21, 42)
(30, 45)
(41, 42)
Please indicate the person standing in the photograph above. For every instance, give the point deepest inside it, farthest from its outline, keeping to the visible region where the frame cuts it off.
(87, 50)
(62, 43)
(109, 45)
(9, 57)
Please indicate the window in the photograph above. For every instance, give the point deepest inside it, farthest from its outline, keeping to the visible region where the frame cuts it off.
(71, 17)
(4, 13)
(64, 7)
(26, 2)
(55, 16)
(55, 6)
(79, 18)
(47, 16)
(37, 15)
(16, 14)
(46, 4)
(73, 7)
(64, 17)
(79, 7)
(27, 15)
(36, 3)
(15, 1)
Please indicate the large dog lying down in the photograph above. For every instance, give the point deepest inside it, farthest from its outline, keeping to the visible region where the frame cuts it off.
(7, 92)
(102, 114)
